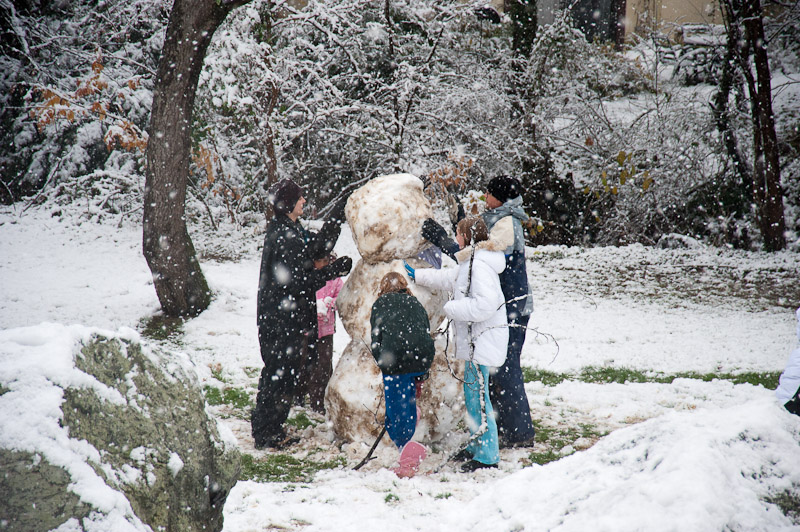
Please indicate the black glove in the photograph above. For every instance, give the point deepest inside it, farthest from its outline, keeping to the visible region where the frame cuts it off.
(337, 211)
(433, 232)
(436, 235)
(340, 267)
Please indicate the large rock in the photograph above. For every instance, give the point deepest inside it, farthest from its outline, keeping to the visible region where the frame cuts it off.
(100, 432)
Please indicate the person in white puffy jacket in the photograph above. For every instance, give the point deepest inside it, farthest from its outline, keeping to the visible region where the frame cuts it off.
(478, 312)
(788, 392)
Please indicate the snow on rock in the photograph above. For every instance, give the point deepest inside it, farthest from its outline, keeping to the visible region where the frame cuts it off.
(94, 424)
(175, 464)
(385, 217)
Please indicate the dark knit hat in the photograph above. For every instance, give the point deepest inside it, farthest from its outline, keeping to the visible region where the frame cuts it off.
(284, 195)
(504, 188)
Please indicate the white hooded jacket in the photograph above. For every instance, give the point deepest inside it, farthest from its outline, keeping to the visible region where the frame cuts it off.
(790, 379)
(484, 305)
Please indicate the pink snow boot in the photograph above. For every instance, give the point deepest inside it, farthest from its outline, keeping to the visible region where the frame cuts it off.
(411, 456)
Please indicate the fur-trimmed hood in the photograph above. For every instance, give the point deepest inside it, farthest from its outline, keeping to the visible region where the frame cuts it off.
(489, 251)
(478, 307)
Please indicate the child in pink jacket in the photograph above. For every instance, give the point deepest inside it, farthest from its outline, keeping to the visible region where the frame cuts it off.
(321, 372)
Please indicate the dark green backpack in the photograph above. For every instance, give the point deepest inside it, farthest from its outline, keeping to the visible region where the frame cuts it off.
(401, 338)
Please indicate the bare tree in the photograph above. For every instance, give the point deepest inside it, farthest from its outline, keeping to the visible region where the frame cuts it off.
(179, 282)
(747, 43)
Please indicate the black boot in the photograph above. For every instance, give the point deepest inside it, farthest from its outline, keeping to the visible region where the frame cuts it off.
(474, 465)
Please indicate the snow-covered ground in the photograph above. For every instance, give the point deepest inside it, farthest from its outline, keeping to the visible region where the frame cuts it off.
(689, 455)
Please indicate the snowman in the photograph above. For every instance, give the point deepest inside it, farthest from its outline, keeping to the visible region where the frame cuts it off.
(385, 217)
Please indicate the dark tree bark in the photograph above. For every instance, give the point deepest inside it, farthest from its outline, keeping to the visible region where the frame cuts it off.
(617, 23)
(722, 115)
(180, 285)
(767, 192)
(524, 21)
(768, 179)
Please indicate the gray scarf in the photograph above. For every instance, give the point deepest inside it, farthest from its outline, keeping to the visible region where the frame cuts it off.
(512, 207)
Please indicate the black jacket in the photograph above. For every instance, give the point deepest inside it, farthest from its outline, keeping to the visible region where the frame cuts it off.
(401, 339)
(288, 282)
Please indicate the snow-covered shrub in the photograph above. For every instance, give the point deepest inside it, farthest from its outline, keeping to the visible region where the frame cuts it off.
(76, 85)
(232, 138)
(365, 93)
(609, 149)
(643, 152)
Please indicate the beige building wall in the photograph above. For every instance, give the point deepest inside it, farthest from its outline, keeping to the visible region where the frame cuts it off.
(645, 16)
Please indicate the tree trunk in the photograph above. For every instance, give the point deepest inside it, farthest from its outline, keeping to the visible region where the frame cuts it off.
(617, 23)
(180, 285)
(738, 196)
(524, 20)
(767, 191)
(768, 178)
(721, 112)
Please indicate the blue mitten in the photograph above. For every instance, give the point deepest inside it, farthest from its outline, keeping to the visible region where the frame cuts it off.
(409, 270)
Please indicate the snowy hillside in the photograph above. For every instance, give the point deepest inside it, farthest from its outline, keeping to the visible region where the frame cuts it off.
(638, 386)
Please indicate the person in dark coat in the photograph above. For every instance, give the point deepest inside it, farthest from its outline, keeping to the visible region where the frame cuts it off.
(504, 217)
(286, 313)
(403, 350)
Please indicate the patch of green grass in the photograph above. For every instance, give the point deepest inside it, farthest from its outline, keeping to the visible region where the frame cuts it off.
(445, 495)
(548, 378)
(767, 379)
(550, 440)
(216, 372)
(391, 498)
(541, 256)
(213, 395)
(161, 327)
(622, 375)
(234, 397)
(284, 468)
(301, 421)
(789, 503)
(608, 375)
(544, 458)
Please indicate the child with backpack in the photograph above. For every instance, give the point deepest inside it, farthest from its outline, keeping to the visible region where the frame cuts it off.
(403, 350)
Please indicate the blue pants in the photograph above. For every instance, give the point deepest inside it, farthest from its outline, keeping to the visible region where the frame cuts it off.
(508, 389)
(399, 392)
(485, 448)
